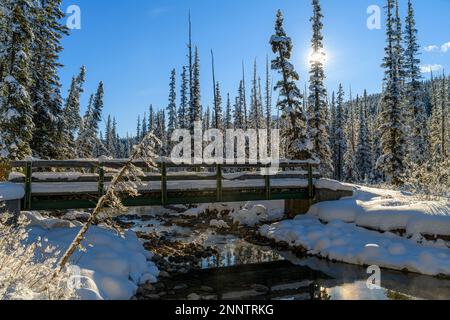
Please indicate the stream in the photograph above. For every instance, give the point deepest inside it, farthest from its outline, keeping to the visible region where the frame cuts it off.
(203, 263)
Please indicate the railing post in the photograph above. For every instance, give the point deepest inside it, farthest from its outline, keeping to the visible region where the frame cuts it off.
(219, 182)
(310, 181)
(163, 183)
(267, 183)
(28, 181)
(101, 180)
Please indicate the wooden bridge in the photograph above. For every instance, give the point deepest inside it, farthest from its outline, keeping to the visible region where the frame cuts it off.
(78, 184)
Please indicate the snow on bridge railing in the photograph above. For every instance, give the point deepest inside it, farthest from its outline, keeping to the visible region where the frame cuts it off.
(115, 163)
(100, 165)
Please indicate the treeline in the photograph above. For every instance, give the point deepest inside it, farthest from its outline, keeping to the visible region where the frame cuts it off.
(397, 136)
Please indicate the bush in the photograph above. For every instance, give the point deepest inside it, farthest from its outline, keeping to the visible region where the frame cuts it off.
(5, 169)
(27, 270)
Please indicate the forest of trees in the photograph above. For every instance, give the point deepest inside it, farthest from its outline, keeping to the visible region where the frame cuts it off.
(397, 136)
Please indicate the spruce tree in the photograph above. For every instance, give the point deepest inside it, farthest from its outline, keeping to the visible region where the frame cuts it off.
(195, 112)
(317, 102)
(218, 119)
(350, 168)
(151, 119)
(45, 89)
(239, 117)
(16, 111)
(228, 115)
(364, 149)
(70, 125)
(184, 102)
(417, 118)
(439, 121)
(393, 136)
(268, 97)
(298, 144)
(172, 107)
(340, 145)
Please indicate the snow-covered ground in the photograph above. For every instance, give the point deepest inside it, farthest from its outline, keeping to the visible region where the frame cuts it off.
(339, 230)
(111, 267)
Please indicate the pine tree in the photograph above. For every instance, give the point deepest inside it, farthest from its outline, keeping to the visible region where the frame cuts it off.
(184, 102)
(364, 160)
(70, 125)
(317, 102)
(296, 136)
(108, 135)
(439, 122)
(16, 111)
(268, 98)
(161, 133)
(239, 118)
(218, 120)
(207, 119)
(256, 116)
(417, 118)
(350, 167)
(244, 99)
(172, 107)
(138, 130)
(228, 115)
(115, 148)
(340, 145)
(195, 112)
(151, 119)
(88, 143)
(45, 89)
(144, 129)
(393, 137)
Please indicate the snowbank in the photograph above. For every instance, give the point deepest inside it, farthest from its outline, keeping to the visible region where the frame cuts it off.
(348, 243)
(339, 230)
(243, 213)
(111, 268)
(11, 191)
(387, 210)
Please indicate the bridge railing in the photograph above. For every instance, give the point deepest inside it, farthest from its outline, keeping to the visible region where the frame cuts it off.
(167, 171)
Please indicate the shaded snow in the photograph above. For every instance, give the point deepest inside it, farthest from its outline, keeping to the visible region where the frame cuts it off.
(111, 267)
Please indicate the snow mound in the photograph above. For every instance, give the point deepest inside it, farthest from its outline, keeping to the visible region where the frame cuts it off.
(110, 267)
(387, 210)
(348, 243)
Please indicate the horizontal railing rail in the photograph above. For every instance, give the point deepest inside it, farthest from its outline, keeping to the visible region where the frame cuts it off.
(166, 172)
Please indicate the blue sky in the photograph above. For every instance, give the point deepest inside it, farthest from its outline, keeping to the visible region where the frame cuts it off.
(133, 45)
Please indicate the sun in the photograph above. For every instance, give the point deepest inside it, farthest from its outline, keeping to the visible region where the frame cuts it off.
(318, 56)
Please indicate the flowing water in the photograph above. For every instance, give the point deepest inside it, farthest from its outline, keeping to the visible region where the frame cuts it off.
(242, 270)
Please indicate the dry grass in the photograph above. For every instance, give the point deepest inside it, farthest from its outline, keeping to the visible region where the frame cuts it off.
(5, 169)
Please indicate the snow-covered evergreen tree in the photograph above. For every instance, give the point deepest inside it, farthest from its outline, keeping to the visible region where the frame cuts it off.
(439, 121)
(418, 145)
(88, 143)
(317, 102)
(138, 130)
(172, 107)
(151, 119)
(161, 133)
(256, 115)
(183, 120)
(340, 145)
(364, 161)
(16, 110)
(350, 167)
(393, 136)
(295, 134)
(218, 115)
(268, 98)
(70, 125)
(195, 108)
(45, 89)
(239, 117)
(228, 115)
